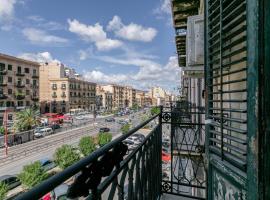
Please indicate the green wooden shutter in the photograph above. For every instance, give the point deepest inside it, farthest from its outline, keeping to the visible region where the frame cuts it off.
(226, 79)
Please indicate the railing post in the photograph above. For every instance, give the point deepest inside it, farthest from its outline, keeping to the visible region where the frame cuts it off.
(160, 148)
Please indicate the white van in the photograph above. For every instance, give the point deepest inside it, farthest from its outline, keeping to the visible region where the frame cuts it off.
(43, 132)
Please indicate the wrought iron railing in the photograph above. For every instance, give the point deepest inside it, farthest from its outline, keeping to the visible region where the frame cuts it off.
(111, 172)
(186, 174)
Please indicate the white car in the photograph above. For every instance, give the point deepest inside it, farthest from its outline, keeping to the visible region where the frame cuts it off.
(80, 117)
(43, 132)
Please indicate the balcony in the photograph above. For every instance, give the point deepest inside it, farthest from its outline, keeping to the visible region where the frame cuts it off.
(35, 98)
(20, 74)
(63, 95)
(3, 84)
(3, 96)
(36, 86)
(3, 72)
(20, 96)
(63, 87)
(54, 96)
(20, 85)
(54, 87)
(115, 171)
(35, 76)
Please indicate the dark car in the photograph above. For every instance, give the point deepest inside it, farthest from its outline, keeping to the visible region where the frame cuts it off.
(110, 120)
(55, 126)
(140, 137)
(104, 129)
(10, 180)
(47, 164)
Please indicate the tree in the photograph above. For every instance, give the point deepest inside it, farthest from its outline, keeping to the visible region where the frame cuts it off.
(26, 119)
(135, 106)
(125, 128)
(104, 138)
(145, 118)
(65, 156)
(3, 190)
(87, 145)
(2, 130)
(155, 110)
(32, 175)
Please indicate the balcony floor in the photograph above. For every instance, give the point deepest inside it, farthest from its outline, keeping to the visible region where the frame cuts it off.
(173, 197)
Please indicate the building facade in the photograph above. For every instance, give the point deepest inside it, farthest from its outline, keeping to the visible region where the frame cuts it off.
(117, 92)
(129, 97)
(140, 98)
(19, 84)
(60, 94)
(104, 99)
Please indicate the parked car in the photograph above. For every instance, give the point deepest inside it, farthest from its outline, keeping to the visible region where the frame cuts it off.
(47, 164)
(43, 132)
(110, 120)
(123, 122)
(60, 192)
(10, 180)
(80, 117)
(104, 129)
(141, 137)
(55, 126)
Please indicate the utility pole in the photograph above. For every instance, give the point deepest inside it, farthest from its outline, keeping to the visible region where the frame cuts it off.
(6, 131)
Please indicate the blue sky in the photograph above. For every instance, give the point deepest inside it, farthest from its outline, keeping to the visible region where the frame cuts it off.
(125, 42)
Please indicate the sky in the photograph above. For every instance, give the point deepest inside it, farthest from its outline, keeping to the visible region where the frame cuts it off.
(121, 41)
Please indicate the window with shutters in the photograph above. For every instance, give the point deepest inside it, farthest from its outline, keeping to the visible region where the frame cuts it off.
(227, 81)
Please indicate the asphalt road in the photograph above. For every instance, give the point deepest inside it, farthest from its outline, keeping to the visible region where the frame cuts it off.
(23, 154)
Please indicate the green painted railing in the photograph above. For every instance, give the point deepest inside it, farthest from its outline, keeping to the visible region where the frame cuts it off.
(137, 176)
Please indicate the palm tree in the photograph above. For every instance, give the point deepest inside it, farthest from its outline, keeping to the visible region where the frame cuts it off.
(26, 119)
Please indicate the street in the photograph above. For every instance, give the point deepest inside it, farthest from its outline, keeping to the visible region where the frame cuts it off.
(23, 154)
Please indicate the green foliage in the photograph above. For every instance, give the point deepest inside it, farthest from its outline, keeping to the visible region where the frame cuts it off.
(145, 118)
(87, 145)
(135, 106)
(32, 175)
(3, 190)
(26, 119)
(104, 138)
(2, 130)
(65, 156)
(125, 128)
(155, 110)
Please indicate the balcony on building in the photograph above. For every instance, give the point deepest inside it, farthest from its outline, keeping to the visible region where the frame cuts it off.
(63, 86)
(3, 83)
(34, 98)
(3, 96)
(20, 85)
(35, 86)
(19, 96)
(3, 72)
(54, 95)
(54, 87)
(35, 76)
(19, 73)
(63, 95)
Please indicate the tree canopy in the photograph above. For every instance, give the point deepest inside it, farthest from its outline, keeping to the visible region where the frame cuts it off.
(87, 145)
(65, 156)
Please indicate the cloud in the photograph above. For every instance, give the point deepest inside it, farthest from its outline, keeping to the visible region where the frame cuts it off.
(164, 8)
(132, 31)
(39, 57)
(93, 34)
(37, 36)
(6, 9)
(149, 74)
(42, 23)
(85, 54)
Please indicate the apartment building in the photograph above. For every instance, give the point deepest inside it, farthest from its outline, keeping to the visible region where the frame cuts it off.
(60, 93)
(129, 97)
(104, 99)
(19, 85)
(117, 95)
(140, 98)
